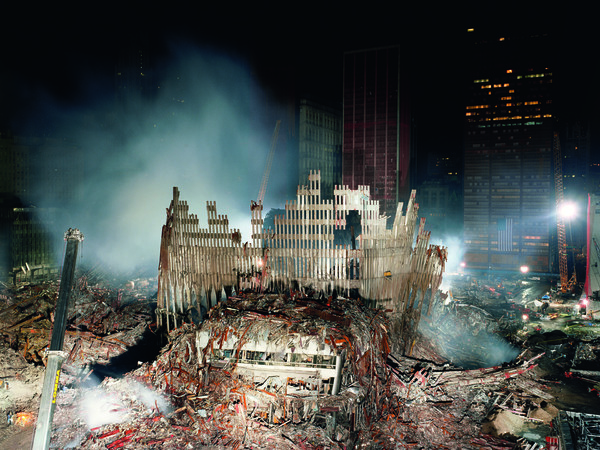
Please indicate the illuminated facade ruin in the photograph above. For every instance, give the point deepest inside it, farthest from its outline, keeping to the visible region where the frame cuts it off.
(387, 267)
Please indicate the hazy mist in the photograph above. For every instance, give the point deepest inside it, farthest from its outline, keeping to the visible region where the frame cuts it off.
(207, 130)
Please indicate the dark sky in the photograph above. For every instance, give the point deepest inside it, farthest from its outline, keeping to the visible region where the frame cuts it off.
(68, 53)
(65, 53)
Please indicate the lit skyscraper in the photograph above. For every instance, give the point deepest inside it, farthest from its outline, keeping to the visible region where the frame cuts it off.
(508, 178)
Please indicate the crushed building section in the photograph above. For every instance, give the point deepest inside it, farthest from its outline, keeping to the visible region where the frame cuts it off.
(291, 355)
(387, 267)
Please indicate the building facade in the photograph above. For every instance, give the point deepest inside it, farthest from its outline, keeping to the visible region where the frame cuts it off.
(376, 116)
(39, 178)
(14, 166)
(320, 145)
(509, 185)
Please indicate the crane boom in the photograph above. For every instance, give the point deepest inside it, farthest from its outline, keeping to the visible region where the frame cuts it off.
(265, 178)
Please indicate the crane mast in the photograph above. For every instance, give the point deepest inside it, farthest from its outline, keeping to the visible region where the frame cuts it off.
(560, 224)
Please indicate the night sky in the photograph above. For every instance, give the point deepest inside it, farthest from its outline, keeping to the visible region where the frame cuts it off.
(68, 54)
(58, 66)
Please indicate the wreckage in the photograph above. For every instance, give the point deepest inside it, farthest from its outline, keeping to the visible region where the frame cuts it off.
(286, 362)
(198, 266)
(290, 350)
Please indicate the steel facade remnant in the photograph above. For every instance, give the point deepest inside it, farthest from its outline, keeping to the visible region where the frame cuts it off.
(197, 266)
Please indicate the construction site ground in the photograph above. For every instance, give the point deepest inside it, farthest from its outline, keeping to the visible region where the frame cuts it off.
(121, 387)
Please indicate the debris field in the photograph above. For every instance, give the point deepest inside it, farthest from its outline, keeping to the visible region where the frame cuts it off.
(208, 386)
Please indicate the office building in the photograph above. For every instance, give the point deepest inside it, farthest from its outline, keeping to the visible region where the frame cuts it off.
(320, 144)
(376, 116)
(509, 204)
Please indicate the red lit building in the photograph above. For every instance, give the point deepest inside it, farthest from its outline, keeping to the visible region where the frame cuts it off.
(376, 119)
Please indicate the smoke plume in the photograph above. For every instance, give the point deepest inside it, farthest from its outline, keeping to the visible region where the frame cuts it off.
(206, 129)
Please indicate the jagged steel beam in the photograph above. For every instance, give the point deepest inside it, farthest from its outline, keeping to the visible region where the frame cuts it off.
(56, 356)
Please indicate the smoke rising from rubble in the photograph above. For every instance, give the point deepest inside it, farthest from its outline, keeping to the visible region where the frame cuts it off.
(103, 405)
(455, 248)
(465, 335)
(207, 131)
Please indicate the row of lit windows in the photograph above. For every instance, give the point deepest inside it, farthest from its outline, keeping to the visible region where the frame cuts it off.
(537, 116)
(536, 75)
(495, 86)
(505, 124)
(519, 77)
(508, 104)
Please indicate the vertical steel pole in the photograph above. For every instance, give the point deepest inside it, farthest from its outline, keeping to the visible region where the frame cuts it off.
(56, 356)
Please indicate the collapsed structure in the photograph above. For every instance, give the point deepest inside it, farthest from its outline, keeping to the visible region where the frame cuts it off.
(387, 267)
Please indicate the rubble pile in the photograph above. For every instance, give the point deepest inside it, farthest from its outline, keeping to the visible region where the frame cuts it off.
(102, 322)
(286, 403)
(204, 397)
(261, 371)
(465, 335)
(337, 327)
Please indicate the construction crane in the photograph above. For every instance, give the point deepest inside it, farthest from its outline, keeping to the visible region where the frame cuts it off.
(565, 284)
(265, 178)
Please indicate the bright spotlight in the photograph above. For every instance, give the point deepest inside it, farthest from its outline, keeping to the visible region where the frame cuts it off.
(524, 269)
(567, 209)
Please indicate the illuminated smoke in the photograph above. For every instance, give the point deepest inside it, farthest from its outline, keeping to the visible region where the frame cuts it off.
(455, 246)
(207, 131)
(466, 336)
(118, 403)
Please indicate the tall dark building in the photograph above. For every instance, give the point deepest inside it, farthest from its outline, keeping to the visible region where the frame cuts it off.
(376, 117)
(320, 144)
(576, 147)
(509, 201)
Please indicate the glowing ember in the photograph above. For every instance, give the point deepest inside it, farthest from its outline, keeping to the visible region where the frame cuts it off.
(23, 419)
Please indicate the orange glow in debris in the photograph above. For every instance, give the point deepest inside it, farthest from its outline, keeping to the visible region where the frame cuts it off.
(23, 419)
